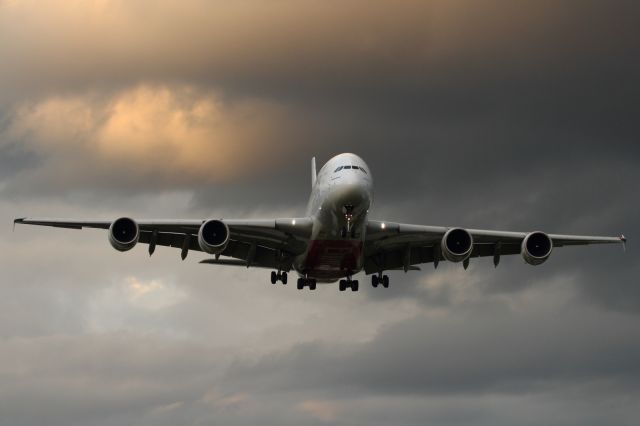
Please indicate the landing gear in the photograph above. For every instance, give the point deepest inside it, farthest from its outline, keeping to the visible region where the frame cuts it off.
(278, 276)
(348, 217)
(344, 232)
(349, 283)
(380, 279)
(306, 282)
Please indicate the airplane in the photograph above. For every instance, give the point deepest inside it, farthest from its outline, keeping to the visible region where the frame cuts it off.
(334, 241)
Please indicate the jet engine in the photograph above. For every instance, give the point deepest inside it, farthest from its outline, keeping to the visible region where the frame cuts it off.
(213, 236)
(456, 245)
(536, 248)
(124, 233)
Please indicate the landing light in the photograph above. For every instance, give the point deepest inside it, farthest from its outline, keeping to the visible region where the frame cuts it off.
(293, 222)
(383, 226)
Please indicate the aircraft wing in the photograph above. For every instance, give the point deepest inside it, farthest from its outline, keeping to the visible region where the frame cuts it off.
(390, 245)
(270, 243)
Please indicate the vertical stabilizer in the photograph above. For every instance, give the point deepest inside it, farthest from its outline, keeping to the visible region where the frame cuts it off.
(313, 172)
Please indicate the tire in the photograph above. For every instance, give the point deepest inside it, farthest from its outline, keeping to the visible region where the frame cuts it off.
(312, 284)
(374, 280)
(355, 285)
(385, 281)
(284, 278)
(300, 283)
(274, 277)
(343, 285)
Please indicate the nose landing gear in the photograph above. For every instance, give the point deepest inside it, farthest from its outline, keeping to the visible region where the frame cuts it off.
(304, 282)
(348, 217)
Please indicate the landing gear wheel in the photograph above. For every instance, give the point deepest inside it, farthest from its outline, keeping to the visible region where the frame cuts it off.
(301, 283)
(283, 278)
(343, 285)
(385, 281)
(312, 284)
(343, 232)
(374, 281)
(274, 277)
(354, 285)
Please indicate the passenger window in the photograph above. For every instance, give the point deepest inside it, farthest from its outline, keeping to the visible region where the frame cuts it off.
(347, 167)
(338, 169)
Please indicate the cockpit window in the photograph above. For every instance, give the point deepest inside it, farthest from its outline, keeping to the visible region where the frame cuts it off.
(351, 168)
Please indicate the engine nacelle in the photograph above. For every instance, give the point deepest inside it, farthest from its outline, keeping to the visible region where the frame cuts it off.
(456, 245)
(536, 248)
(213, 236)
(124, 234)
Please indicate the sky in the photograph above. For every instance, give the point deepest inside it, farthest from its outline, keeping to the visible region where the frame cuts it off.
(498, 114)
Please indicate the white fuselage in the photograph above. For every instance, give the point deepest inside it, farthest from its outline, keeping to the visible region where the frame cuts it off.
(339, 204)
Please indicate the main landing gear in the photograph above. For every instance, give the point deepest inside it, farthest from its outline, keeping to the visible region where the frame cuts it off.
(306, 282)
(380, 279)
(348, 283)
(278, 276)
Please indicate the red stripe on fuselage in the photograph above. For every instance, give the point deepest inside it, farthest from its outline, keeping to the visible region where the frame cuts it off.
(333, 258)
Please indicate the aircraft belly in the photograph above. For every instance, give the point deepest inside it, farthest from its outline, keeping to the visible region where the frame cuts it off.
(333, 259)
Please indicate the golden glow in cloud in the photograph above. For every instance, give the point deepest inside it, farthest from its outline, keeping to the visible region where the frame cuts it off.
(172, 136)
(325, 411)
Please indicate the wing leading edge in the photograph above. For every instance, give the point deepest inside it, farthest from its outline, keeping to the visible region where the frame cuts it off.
(391, 245)
(271, 243)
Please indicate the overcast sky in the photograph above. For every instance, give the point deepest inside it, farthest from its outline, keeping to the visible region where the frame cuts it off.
(518, 115)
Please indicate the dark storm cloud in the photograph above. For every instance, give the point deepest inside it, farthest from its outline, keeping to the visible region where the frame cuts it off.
(482, 348)
(499, 83)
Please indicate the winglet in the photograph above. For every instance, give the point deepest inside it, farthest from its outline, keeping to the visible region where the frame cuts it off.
(18, 220)
(623, 239)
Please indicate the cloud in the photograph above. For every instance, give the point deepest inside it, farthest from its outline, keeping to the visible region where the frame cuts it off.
(322, 410)
(157, 136)
(302, 47)
(493, 114)
(483, 348)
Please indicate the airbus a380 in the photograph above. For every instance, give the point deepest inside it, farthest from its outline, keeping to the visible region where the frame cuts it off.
(334, 241)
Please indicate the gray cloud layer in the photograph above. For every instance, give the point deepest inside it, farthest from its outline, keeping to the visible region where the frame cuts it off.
(497, 114)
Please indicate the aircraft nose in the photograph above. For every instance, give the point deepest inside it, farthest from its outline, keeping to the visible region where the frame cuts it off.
(354, 194)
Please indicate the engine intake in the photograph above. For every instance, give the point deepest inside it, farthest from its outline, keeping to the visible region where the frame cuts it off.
(213, 236)
(457, 245)
(536, 248)
(124, 234)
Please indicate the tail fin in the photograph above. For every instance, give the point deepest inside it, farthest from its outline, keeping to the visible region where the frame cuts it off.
(313, 172)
